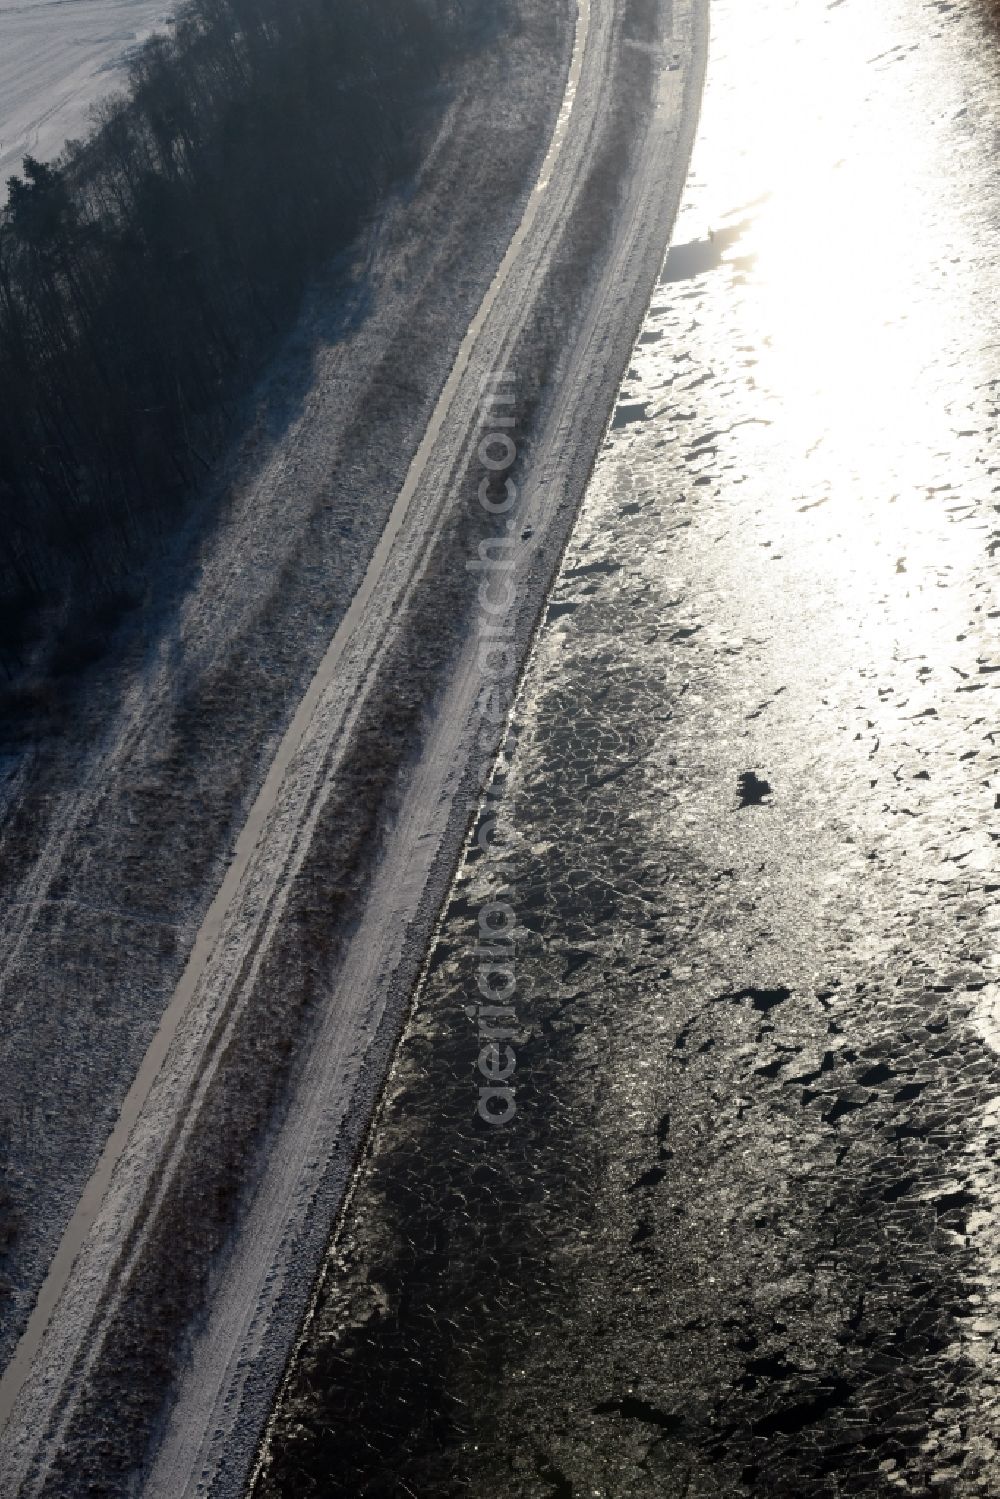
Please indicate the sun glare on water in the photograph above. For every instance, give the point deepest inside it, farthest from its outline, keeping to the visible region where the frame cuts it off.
(842, 277)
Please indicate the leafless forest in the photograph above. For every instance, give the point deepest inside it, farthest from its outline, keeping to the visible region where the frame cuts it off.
(146, 275)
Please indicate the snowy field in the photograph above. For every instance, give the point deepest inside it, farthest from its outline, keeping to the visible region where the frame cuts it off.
(57, 57)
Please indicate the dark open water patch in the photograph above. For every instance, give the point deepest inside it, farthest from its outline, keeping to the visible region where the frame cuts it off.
(628, 412)
(700, 256)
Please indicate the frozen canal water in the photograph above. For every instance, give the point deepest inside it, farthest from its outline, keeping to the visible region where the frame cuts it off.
(741, 1236)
